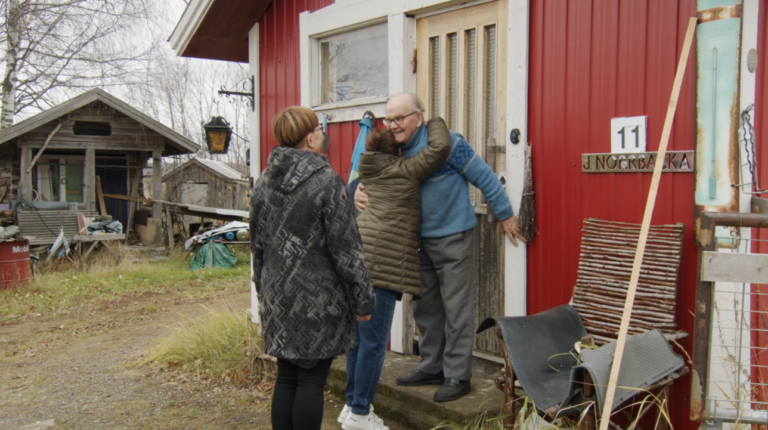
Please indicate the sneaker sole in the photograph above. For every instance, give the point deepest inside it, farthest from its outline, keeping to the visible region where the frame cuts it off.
(416, 384)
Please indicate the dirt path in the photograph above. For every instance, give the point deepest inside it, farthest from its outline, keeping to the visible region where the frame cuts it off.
(80, 372)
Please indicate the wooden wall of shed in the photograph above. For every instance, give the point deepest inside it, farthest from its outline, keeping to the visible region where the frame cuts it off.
(222, 193)
(9, 173)
(125, 130)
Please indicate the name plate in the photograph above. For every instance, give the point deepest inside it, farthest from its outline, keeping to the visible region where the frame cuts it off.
(674, 162)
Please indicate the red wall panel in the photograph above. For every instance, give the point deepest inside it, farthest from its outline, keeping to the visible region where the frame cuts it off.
(759, 339)
(279, 79)
(590, 62)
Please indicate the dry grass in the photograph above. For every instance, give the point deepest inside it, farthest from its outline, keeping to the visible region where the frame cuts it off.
(223, 345)
(103, 282)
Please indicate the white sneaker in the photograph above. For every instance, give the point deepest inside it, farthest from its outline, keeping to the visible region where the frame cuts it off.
(343, 415)
(363, 422)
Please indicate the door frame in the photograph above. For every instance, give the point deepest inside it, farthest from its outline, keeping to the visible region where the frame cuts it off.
(401, 17)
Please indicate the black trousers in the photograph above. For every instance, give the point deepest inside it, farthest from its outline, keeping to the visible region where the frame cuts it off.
(297, 403)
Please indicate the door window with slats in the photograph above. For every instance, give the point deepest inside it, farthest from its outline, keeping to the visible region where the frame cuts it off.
(460, 83)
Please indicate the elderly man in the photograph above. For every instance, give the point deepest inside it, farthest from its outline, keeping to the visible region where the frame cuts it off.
(445, 313)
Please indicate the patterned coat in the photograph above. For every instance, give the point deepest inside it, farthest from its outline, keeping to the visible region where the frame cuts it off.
(308, 261)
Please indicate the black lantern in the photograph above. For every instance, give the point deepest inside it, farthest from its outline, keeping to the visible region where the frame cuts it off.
(217, 135)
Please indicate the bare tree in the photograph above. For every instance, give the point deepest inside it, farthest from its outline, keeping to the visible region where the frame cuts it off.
(54, 48)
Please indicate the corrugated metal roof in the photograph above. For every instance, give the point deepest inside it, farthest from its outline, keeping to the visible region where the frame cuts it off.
(217, 167)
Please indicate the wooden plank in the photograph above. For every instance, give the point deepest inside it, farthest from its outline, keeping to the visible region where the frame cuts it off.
(731, 267)
(25, 188)
(98, 237)
(121, 145)
(127, 198)
(100, 194)
(651, 202)
(89, 177)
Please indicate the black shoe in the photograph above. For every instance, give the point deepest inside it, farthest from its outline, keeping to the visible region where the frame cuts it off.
(452, 389)
(421, 378)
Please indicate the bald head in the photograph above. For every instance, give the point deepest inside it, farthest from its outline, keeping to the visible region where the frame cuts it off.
(404, 116)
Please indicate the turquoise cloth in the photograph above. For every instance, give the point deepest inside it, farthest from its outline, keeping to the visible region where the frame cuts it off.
(221, 257)
(365, 129)
(445, 205)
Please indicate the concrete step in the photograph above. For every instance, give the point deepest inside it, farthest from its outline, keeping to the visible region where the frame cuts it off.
(413, 407)
(150, 259)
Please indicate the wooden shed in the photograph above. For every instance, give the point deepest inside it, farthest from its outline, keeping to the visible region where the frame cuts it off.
(205, 182)
(57, 156)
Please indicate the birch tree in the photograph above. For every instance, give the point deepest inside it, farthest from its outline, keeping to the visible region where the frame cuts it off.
(61, 47)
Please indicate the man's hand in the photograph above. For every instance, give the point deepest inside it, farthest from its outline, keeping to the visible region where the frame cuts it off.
(361, 199)
(512, 230)
(364, 318)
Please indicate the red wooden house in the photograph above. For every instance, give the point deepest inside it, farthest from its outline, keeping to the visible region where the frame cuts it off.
(558, 71)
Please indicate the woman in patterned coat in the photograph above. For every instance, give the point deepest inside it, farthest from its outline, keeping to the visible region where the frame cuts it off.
(308, 267)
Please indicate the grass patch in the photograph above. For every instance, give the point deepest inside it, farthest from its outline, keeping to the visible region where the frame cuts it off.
(103, 281)
(222, 345)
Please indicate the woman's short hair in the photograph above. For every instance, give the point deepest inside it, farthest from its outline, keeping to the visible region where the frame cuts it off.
(382, 141)
(293, 124)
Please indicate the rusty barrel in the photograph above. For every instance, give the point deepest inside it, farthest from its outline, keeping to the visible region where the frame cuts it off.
(14, 263)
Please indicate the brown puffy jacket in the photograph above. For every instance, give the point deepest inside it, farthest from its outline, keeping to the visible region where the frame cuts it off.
(389, 225)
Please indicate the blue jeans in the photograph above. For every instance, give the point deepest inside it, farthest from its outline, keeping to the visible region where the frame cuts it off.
(364, 363)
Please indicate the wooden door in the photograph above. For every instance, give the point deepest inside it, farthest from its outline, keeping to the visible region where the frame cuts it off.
(460, 77)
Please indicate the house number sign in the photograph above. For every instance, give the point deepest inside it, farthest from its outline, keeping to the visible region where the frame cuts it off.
(674, 162)
(628, 134)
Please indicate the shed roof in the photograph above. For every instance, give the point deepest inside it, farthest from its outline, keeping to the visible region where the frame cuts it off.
(218, 168)
(175, 143)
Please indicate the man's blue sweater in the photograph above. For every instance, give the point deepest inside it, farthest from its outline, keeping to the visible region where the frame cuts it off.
(445, 205)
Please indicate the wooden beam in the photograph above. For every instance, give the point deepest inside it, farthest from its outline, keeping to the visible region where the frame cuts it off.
(25, 187)
(157, 192)
(651, 202)
(150, 145)
(45, 145)
(100, 194)
(169, 227)
(127, 198)
(88, 179)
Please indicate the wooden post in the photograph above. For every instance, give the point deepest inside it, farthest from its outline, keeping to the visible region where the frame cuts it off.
(641, 241)
(169, 227)
(100, 194)
(25, 187)
(89, 189)
(157, 193)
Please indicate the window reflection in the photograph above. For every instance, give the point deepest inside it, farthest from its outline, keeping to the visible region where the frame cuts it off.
(354, 65)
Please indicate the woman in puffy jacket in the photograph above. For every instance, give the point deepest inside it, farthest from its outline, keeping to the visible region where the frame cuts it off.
(308, 268)
(389, 227)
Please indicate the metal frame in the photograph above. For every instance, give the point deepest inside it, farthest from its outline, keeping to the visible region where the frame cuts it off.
(703, 309)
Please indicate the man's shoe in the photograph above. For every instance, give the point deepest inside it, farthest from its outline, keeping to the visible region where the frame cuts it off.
(452, 389)
(363, 422)
(421, 378)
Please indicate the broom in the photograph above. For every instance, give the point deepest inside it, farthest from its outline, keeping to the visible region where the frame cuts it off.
(526, 220)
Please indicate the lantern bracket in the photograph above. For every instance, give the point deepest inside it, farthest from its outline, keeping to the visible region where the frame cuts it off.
(247, 84)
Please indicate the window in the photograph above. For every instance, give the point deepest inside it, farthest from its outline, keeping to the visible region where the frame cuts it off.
(354, 65)
(89, 128)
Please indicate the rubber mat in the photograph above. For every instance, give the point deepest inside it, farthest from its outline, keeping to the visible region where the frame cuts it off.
(647, 358)
(538, 347)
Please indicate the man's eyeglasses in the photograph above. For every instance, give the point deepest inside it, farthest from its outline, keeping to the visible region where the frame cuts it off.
(319, 127)
(399, 120)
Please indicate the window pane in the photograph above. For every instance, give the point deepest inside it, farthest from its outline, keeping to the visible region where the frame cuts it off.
(434, 76)
(355, 65)
(453, 80)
